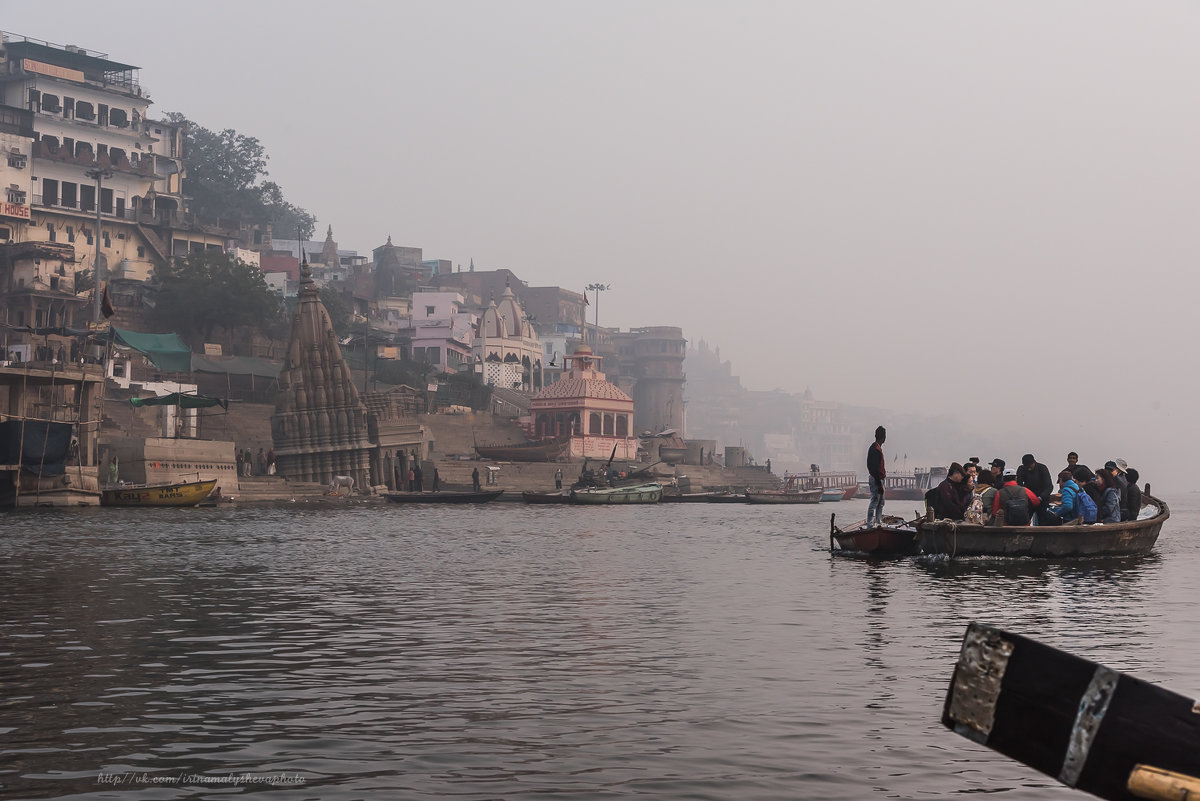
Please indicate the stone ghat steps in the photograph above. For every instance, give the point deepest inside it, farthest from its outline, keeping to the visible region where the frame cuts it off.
(274, 488)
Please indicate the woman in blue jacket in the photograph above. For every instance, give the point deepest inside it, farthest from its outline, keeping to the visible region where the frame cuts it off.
(1067, 487)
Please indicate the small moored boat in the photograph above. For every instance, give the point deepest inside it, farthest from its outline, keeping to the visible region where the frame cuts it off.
(641, 493)
(186, 493)
(444, 497)
(553, 496)
(796, 489)
(833, 494)
(785, 496)
(687, 497)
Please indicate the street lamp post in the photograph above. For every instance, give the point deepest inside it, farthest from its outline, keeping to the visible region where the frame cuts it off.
(99, 175)
(597, 288)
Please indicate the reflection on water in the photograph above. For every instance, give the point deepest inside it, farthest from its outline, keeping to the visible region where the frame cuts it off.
(679, 651)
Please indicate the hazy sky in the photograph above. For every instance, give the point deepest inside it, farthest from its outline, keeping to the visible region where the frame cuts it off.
(989, 209)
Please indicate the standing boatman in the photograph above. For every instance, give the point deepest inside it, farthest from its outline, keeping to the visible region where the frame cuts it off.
(877, 472)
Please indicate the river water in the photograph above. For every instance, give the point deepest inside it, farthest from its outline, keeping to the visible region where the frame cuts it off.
(498, 652)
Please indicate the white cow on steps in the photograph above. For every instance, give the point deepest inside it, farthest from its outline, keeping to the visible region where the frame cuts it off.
(335, 486)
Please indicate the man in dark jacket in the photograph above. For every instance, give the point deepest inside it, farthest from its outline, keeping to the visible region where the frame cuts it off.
(877, 472)
(1135, 493)
(1035, 477)
(952, 496)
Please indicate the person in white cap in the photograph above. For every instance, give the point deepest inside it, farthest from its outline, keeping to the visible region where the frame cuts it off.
(1017, 502)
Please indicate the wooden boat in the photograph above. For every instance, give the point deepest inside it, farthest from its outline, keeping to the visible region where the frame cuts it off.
(728, 497)
(850, 493)
(846, 481)
(1048, 542)
(896, 537)
(642, 493)
(553, 496)
(687, 497)
(785, 496)
(187, 493)
(833, 494)
(546, 450)
(1088, 726)
(444, 497)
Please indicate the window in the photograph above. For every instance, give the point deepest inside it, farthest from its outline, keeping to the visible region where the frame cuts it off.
(117, 117)
(5, 233)
(35, 100)
(141, 252)
(106, 201)
(429, 310)
(68, 108)
(15, 195)
(121, 207)
(51, 143)
(69, 196)
(622, 426)
(87, 197)
(16, 160)
(49, 192)
(52, 237)
(594, 423)
(102, 114)
(50, 104)
(85, 111)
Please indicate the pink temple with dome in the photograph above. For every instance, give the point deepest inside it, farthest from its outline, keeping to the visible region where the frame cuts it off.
(598, 415)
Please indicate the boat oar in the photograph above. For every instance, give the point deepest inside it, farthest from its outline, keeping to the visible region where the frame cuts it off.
(1087, 725)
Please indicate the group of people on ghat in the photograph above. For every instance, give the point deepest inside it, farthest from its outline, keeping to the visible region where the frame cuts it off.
(997, 494)
(1027, 495)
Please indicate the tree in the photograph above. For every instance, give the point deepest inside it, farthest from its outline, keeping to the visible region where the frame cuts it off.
(338, 309)
(223, 172)
(200, 292)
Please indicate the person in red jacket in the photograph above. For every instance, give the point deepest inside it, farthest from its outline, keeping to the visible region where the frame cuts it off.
(1017, 502)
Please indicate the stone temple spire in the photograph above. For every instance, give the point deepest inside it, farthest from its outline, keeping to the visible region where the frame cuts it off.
(319, 428)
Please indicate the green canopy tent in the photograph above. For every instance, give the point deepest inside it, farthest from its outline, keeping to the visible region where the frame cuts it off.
(166, 351)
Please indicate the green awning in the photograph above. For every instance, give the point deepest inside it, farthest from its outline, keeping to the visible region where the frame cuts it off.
(235, 365)
(180, 400)
(167, 351)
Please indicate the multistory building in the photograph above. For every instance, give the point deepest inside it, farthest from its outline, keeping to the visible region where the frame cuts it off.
(16, 145)
(97, 153)
(438, 332)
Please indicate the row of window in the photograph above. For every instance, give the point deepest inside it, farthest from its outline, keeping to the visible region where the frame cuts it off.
(72, 109)
(71, 195)
(595, 425)
(80, 149)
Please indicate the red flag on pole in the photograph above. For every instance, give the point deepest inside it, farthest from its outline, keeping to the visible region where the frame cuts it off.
(585, 301)
(106, 307)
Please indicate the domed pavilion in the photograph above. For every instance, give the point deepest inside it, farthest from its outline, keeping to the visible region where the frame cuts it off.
(596, 414)
(507, 349)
